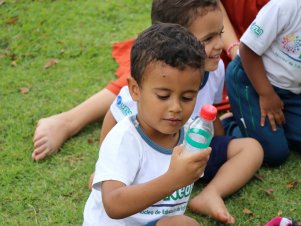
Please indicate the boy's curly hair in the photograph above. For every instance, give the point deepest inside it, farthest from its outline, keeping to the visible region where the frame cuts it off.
(181, 12)
(171, 44)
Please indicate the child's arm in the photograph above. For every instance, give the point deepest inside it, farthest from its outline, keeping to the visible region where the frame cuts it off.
(121, 201)
(218, 128)
(108, 123)
(229, 37)
(270, 104)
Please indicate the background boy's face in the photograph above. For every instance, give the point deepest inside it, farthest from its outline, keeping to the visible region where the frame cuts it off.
(208, 29)
(165, 99)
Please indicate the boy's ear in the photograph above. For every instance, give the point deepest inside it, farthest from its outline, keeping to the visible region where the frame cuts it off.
(133, 88)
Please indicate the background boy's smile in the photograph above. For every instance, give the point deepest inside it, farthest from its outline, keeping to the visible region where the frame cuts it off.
(208, 29)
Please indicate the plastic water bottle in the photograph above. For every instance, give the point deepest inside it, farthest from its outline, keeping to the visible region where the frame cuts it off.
(200, 130)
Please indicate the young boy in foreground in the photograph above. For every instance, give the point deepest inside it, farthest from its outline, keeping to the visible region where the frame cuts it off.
(233, 162)
(141, 176)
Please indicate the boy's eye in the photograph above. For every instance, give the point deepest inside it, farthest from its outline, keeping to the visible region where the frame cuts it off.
(187, 99)
(207, 39)
(210, 38)
(163, 97)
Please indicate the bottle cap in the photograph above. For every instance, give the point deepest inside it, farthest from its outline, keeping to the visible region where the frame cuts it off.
(208, 112)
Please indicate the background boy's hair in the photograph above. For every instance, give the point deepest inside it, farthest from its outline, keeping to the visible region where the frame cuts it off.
(181, 12)
(171, 44)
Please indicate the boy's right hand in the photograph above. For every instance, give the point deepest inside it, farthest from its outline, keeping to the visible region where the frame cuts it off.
(185, 169)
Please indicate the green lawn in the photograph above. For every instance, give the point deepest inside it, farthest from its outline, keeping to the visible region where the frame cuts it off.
(79, 36)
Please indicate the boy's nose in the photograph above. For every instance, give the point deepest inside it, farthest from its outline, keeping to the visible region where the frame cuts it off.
(219, 43)
(175, 106)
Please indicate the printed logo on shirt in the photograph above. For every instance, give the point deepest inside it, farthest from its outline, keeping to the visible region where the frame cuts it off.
(179, 194)
(123, 107)
(291, 44)
(258, 31)
(174, 204)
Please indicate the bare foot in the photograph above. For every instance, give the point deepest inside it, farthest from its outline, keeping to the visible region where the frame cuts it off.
(49, 136)
(91, 181)
(211, 204)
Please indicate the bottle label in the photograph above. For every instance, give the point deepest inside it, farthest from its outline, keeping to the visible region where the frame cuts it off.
(205, 137)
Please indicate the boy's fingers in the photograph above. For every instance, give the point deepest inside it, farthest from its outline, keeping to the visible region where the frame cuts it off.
(280, 119)
(262, 118)
(197, 156)
(202, 154)
(178, 150)
(272, 121)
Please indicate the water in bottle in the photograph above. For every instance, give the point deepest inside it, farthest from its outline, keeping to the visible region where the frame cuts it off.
(200, 130)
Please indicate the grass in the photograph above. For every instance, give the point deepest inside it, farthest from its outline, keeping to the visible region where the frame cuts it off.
(79, 35)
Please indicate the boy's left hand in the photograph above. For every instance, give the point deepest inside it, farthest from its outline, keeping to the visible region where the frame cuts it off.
(187, 168)
(271, 106)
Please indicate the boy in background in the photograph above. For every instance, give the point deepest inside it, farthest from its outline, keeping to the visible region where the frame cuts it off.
(141, 176)
(264, 81)
(51, 132)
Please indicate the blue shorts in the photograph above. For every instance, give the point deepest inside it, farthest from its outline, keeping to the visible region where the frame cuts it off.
(153, 223)
(245, 106)
(218, 157)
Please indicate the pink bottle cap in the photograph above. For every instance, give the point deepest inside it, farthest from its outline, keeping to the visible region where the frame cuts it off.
(208, 112)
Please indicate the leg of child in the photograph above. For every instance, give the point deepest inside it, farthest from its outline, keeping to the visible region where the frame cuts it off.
(53, 131)
(245, 157)
(180, 220)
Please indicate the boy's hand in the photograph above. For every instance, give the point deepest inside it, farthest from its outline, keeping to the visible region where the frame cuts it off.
(271, 106)
(185, 169)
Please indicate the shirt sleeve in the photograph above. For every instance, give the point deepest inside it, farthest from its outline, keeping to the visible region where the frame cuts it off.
(263, 31)
(119, 157)
(123, 105)
(218, 97)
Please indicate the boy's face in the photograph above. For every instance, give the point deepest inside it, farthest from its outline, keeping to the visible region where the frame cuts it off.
(165, 98)
(208, 29)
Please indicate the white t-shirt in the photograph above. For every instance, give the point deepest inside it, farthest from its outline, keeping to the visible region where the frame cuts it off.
(129, 156)
(211, 93)
(275, 35)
